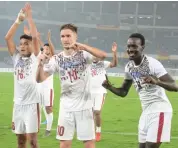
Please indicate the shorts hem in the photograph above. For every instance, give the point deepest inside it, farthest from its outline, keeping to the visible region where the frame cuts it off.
(161, 141)
(18, 133)
(32, 132)
(65, 139)
(86, 139)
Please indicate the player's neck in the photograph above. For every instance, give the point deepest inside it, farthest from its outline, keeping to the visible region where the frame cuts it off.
(138, 61)
(27, 55)
(68, 52)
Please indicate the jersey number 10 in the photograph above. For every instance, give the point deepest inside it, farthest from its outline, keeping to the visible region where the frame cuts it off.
(72, 75)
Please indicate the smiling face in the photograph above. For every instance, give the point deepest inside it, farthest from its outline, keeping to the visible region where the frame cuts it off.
(134, 48)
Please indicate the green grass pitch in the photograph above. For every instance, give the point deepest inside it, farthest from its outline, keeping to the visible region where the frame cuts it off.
(119, 118)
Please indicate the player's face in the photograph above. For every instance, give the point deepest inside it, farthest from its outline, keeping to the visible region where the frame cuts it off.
(46, 51)
(68, 37)
(25, 47)
(134, 48)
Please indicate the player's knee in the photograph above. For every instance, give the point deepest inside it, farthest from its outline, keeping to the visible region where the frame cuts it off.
(152, 145)
(89, 144)
(49, 109)
(33, 143)
(97, 113)
(21, 139)
(65, 144)
(142, 145)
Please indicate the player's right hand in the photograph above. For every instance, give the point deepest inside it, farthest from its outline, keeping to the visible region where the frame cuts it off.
(28, 11)
(49, 35)
(21, 16)
(114, 47)
(43, 58)
(106, 84)
(77, 46)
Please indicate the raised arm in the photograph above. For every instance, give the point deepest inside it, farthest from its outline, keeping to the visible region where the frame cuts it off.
(41, 75)
(121, 91)
(40, 42)
(10, 34)
(33, 30)
(27, 31)
(115, 58)
(51, 46)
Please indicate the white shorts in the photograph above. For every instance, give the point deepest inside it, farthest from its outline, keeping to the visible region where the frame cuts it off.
(155, 127)
(47, 97)
(81, 121)
(26, 118)
(98, 100)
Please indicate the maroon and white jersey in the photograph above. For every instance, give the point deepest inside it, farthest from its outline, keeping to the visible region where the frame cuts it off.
(98, 71)
(25, 86)
(153, 97)
(74, 76)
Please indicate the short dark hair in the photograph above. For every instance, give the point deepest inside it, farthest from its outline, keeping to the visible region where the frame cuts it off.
(41, 49)
(69, 26)
(25, 36)
(139, 36)
(46, 44)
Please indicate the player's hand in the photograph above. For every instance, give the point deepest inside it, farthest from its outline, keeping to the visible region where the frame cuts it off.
(106, 84)
(77, 46)
(150, 80)
(49, 35)
(114, 47)
(21, 16)
(28, 9)
(43, 58)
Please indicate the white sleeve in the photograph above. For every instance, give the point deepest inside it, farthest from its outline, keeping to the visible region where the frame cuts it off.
(127, 74)
(158, 69)
(51, 67)
(14, 56)
(88, 57)
(107, 64)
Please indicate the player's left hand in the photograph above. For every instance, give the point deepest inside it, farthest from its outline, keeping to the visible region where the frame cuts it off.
(28, 11)
(106, 84)
(114, 47)
(150, 80)
(49, 35)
